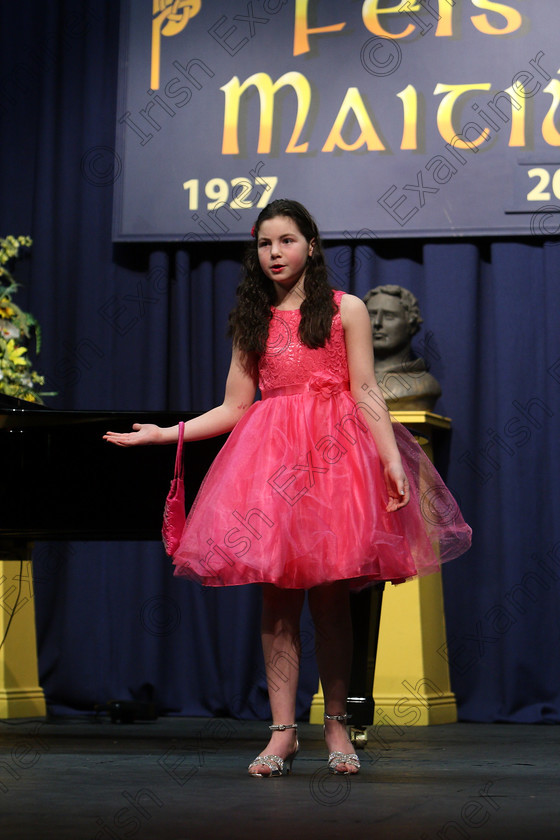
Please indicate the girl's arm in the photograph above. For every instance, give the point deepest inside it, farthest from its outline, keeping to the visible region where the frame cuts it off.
(366, 392)
(241, 387)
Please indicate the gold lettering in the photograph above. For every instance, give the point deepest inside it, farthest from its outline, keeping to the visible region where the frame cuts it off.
(233, 91)
(549, 130)
(445, 114)
(301, 29)
(371, 12)
(445, 22)
(169, 17)
(353, 102)
(518, 115)
(514, 20)
(409, 98)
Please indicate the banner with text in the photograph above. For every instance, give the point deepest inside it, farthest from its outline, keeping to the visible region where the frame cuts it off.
(385, 118)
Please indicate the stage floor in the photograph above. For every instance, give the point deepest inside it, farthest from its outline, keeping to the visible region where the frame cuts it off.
(185, 779)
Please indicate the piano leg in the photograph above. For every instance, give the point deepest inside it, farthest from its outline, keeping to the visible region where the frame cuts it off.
(365, 608)
(366, 616)
(20, 693)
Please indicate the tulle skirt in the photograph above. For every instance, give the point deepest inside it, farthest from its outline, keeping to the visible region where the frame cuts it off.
(296, 497)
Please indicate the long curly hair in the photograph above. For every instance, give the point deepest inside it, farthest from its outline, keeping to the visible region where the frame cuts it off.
(249, 321)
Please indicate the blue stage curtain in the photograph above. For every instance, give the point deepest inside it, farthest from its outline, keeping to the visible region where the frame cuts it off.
(142, 327)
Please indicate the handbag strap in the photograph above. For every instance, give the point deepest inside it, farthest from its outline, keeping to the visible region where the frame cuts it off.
(179, 455)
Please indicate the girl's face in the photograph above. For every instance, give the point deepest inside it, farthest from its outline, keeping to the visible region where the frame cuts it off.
(283, 251)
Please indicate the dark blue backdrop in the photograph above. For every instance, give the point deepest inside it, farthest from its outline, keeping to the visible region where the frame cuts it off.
(138, 327)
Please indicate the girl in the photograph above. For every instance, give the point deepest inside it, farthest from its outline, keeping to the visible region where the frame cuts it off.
(309, 492)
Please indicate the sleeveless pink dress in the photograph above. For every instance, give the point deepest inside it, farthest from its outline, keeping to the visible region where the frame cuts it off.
(296, 496)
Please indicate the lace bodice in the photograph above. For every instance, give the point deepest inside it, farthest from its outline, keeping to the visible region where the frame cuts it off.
(287, 361)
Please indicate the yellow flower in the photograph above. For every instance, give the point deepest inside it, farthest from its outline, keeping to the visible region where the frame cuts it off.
(14, 353)
(17, 377)
(6, 310)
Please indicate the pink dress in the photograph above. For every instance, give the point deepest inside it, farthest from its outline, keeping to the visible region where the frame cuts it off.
(296, 496)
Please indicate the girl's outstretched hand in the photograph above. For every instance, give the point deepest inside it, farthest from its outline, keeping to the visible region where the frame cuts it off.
(397, 486)
(144, 434)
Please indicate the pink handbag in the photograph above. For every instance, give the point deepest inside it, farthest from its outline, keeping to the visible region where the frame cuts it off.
(174, 516)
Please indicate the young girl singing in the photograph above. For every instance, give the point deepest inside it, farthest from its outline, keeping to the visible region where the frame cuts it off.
(315, 489)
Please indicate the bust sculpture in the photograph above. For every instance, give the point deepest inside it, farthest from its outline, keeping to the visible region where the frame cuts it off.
(403, 377)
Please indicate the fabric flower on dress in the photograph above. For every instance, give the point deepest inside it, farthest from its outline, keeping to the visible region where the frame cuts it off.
(325, 385)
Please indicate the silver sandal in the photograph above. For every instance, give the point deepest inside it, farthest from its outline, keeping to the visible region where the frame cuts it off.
(274, 762)
(337, 758)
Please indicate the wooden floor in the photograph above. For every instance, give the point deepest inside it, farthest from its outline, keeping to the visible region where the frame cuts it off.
(185, 779)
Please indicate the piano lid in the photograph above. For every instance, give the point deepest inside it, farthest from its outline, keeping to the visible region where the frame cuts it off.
(15, 404)
(61, 480)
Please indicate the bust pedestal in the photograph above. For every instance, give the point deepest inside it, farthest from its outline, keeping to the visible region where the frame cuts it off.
(20, 693)
(411, 685)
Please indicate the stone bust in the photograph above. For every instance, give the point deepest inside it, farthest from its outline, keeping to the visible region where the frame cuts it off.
(403, 377)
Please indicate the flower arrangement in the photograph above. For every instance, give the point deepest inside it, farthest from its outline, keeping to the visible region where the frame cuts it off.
(17, 377)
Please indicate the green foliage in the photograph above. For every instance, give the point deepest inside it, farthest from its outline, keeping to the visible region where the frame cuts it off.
(17, 329)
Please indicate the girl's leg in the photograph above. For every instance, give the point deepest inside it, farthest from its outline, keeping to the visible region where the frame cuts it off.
(330, 608)
(280, 632)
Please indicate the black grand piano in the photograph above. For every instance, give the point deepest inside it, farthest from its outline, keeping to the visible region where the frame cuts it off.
(67, 483)
(62, 481)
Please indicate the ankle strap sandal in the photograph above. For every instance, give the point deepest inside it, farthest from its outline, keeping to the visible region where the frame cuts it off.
(274, 762)
(336, 759)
